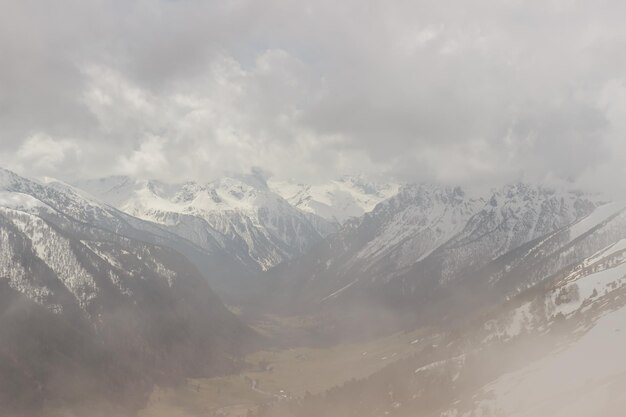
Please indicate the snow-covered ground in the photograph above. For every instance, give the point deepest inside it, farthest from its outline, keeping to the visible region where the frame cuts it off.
(424, 217)
(599, 215)
(338, 200)
(585, 375)
(585, 379)
(239, 214)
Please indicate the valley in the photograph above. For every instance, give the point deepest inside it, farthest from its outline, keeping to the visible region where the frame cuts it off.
(356, 208)
(281, 375)
(180, 302)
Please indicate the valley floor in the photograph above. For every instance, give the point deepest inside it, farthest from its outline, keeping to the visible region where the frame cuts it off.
(524, 363)
(279, 375)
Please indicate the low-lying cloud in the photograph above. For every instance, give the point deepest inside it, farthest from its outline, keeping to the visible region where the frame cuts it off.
(447, 91)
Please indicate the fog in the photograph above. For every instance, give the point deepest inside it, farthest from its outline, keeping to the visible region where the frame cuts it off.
(447, 92)
(267, 208)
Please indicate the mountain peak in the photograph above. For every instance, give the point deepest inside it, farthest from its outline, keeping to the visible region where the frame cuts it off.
(8, 178)
(239, 213)
(336, 201)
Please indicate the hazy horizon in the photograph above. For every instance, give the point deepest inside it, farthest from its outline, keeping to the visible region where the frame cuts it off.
(428, 91)
(274, 208)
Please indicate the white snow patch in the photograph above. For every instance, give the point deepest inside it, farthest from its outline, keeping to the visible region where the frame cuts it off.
(553, 386)
(339, 291)
(596, 217)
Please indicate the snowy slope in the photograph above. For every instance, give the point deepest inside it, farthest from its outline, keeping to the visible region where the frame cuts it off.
(426, 237)
(62, 229)
(533, 262)
(520, 213)
(64, 204)
(240, 215)
(419, 219)
(585, 379)
(556, 349)
(336, 201)
(89, 293)
(584, 374)
(513, 216)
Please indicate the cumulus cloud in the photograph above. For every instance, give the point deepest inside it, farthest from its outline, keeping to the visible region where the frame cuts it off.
(40, 154)
(431, 90)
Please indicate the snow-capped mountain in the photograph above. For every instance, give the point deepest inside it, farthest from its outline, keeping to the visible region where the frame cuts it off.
(397, 233)
(566, 336)
(555, 349)
(592, 296)
(427, 237)
(89, 294)
(513, 216)
(240, 215)
(336, 201)
(419, 219)
(83, 281)
(533, 262)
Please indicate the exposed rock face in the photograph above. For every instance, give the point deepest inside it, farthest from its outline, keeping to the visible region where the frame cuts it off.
(241, 216)
(92, 307)
(430, 239)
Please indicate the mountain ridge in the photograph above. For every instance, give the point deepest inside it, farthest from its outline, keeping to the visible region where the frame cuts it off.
(426, 237)
(136, 311)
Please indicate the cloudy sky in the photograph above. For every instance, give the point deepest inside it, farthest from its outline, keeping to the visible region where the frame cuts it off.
(457, 92)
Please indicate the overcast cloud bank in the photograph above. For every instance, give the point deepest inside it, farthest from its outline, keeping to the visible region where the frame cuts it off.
(452, 92)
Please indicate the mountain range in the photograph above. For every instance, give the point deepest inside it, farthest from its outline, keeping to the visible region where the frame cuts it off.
(428, 241)
(253, 223)
(98, 305)
(553, 350)
(116, 284)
